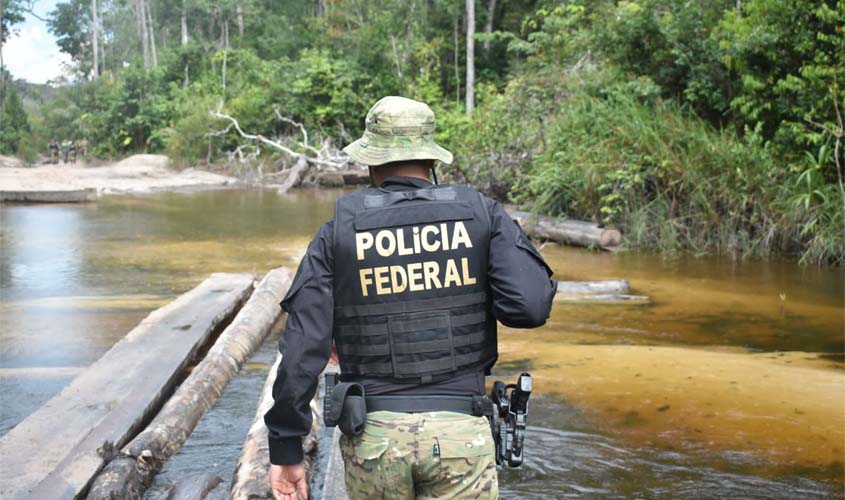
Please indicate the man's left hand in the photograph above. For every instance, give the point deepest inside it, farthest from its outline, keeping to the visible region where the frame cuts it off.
(288, 480)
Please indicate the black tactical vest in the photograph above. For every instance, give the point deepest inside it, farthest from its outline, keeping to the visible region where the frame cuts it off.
(410, 284)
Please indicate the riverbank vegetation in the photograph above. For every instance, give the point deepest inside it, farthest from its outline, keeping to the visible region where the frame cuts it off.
(705, 127)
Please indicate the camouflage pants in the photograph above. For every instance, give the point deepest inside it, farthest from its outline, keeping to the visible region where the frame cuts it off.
(421, 455)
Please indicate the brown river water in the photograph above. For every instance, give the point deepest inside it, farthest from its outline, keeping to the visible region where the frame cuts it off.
(728, 383)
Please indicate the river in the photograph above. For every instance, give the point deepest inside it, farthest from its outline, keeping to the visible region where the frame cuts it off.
(729, 383)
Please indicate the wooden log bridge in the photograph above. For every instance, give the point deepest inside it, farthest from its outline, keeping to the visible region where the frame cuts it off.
(61, 447)
(129, 475)
(567, 232)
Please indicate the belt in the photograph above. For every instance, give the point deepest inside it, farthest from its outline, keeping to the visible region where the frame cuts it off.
(469, 405)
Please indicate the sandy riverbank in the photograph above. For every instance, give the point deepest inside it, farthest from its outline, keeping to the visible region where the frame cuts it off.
(136, 174)
(785, 408)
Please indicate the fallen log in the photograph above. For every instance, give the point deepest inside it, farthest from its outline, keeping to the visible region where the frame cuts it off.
(593, 287)
(130, 474)
(294, 174)
(50, 196)
(250, 477)
(58, 449)
(568, 232)
(250, 481)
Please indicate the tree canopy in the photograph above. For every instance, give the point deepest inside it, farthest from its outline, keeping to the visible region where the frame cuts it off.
(698, 126)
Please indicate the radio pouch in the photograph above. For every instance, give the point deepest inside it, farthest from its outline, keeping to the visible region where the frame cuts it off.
(348, 409)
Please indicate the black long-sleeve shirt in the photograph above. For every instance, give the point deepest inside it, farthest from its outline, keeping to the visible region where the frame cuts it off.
(522, 294)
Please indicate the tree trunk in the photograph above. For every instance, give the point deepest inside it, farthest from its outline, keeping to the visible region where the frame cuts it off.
(225, 55)
(488, 29)
(240, 13)
(184, 23)
(130, 474)
(457, 60)
(2, 69)
(140, 10)
(95, 39)
(470, 92)
(152, 34)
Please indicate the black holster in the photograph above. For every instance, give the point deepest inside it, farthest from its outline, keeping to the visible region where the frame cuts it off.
(344, 406)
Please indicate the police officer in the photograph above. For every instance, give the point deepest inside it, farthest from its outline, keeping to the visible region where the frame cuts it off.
(53, 146)
(408, 280)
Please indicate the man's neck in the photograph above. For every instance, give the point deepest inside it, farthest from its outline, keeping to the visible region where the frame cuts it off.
(417, 171)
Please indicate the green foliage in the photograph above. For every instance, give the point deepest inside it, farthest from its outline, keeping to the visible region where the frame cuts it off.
(789, 57)
(14, 125)
(71, 23)
(690, 125)
(668, 179)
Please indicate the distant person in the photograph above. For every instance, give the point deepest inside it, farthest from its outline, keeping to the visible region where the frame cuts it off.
(65, 150)
(72, 152)
(83, 149)
(53, 148)
(408, 281)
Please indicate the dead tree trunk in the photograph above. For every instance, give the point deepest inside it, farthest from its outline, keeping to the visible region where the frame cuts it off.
(130, 474)
(294, 175)
(470, 92)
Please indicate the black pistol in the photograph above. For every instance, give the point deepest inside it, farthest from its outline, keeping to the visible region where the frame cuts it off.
(508, 419)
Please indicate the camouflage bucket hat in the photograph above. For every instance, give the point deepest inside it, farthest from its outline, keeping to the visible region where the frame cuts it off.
(398, 129)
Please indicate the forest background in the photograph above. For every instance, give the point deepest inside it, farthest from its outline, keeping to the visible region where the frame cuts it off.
(709, 127)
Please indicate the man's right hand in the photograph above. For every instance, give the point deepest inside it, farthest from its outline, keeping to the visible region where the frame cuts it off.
(288, 480)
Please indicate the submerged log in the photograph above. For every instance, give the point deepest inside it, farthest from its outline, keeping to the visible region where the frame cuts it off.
(568, 232)
(250, 481)
(608, 291)
(593, 287)
(129, 475)
(58, 449)
(604, 298)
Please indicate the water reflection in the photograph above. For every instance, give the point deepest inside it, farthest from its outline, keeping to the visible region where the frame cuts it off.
(41, 253)
(76, 278)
